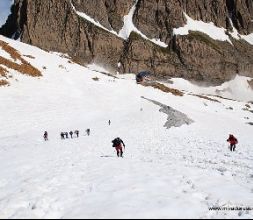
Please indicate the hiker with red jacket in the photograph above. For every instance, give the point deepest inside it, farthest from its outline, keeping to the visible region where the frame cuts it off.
(233, 141)
(117, 144)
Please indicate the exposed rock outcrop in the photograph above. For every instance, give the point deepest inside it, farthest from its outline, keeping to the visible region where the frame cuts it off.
(54, 25)
(175, 117)
(109, 13)
(142, 54)
(251, 84)
(158, 18)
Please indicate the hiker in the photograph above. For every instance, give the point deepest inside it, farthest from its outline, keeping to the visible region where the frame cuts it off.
(77, 133)
(46, 136)
(233, 141)
(71, 134)
(67, 135)
(109, 122)
(62, 135)
(117, 144)
(88, 132)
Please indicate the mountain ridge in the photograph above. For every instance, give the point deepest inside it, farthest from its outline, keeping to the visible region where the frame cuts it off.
(58, 26)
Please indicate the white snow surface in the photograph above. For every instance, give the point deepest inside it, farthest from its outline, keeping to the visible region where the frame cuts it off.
(128, 23)
(248, 38)
(235, 34)
(216, 33)
(97, 68)
(210, 29)
(165, 173)
(237, 88)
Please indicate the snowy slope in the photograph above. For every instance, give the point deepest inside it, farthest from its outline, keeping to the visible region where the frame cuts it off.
(178, 172)
(236, 89)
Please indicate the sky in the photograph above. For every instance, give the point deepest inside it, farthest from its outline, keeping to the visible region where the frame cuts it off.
(5, 6)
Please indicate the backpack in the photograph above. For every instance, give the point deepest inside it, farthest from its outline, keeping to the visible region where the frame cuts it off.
(116, 142)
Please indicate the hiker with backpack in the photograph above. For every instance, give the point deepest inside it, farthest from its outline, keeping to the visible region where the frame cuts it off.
(233, 141)
(88, 132)
(45, 136)
(77, 133)
(71, 134)
(66, 135)
(117, 144)
(62, 135)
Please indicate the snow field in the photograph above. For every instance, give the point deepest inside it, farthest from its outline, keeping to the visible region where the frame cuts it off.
(180, 172)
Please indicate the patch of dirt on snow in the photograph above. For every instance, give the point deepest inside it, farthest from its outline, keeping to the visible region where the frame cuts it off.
(25, 67)
(3, 72)
(163, 88)
(29, 56)
(206, 98)
(4, 83)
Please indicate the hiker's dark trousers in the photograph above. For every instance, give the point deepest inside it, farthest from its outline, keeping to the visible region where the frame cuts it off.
(119, 150)
(232, 147)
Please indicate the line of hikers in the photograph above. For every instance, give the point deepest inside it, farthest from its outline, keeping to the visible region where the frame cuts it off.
(118, 144)
(65, 135)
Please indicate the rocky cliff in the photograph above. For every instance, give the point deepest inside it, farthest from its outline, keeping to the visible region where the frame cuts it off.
(55, 25)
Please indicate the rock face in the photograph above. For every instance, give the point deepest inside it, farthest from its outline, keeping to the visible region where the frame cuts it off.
(109, 13)
(55, 25)
(251, 84)
(158, 18)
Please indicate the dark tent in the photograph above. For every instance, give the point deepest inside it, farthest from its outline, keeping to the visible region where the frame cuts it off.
(141, 75)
